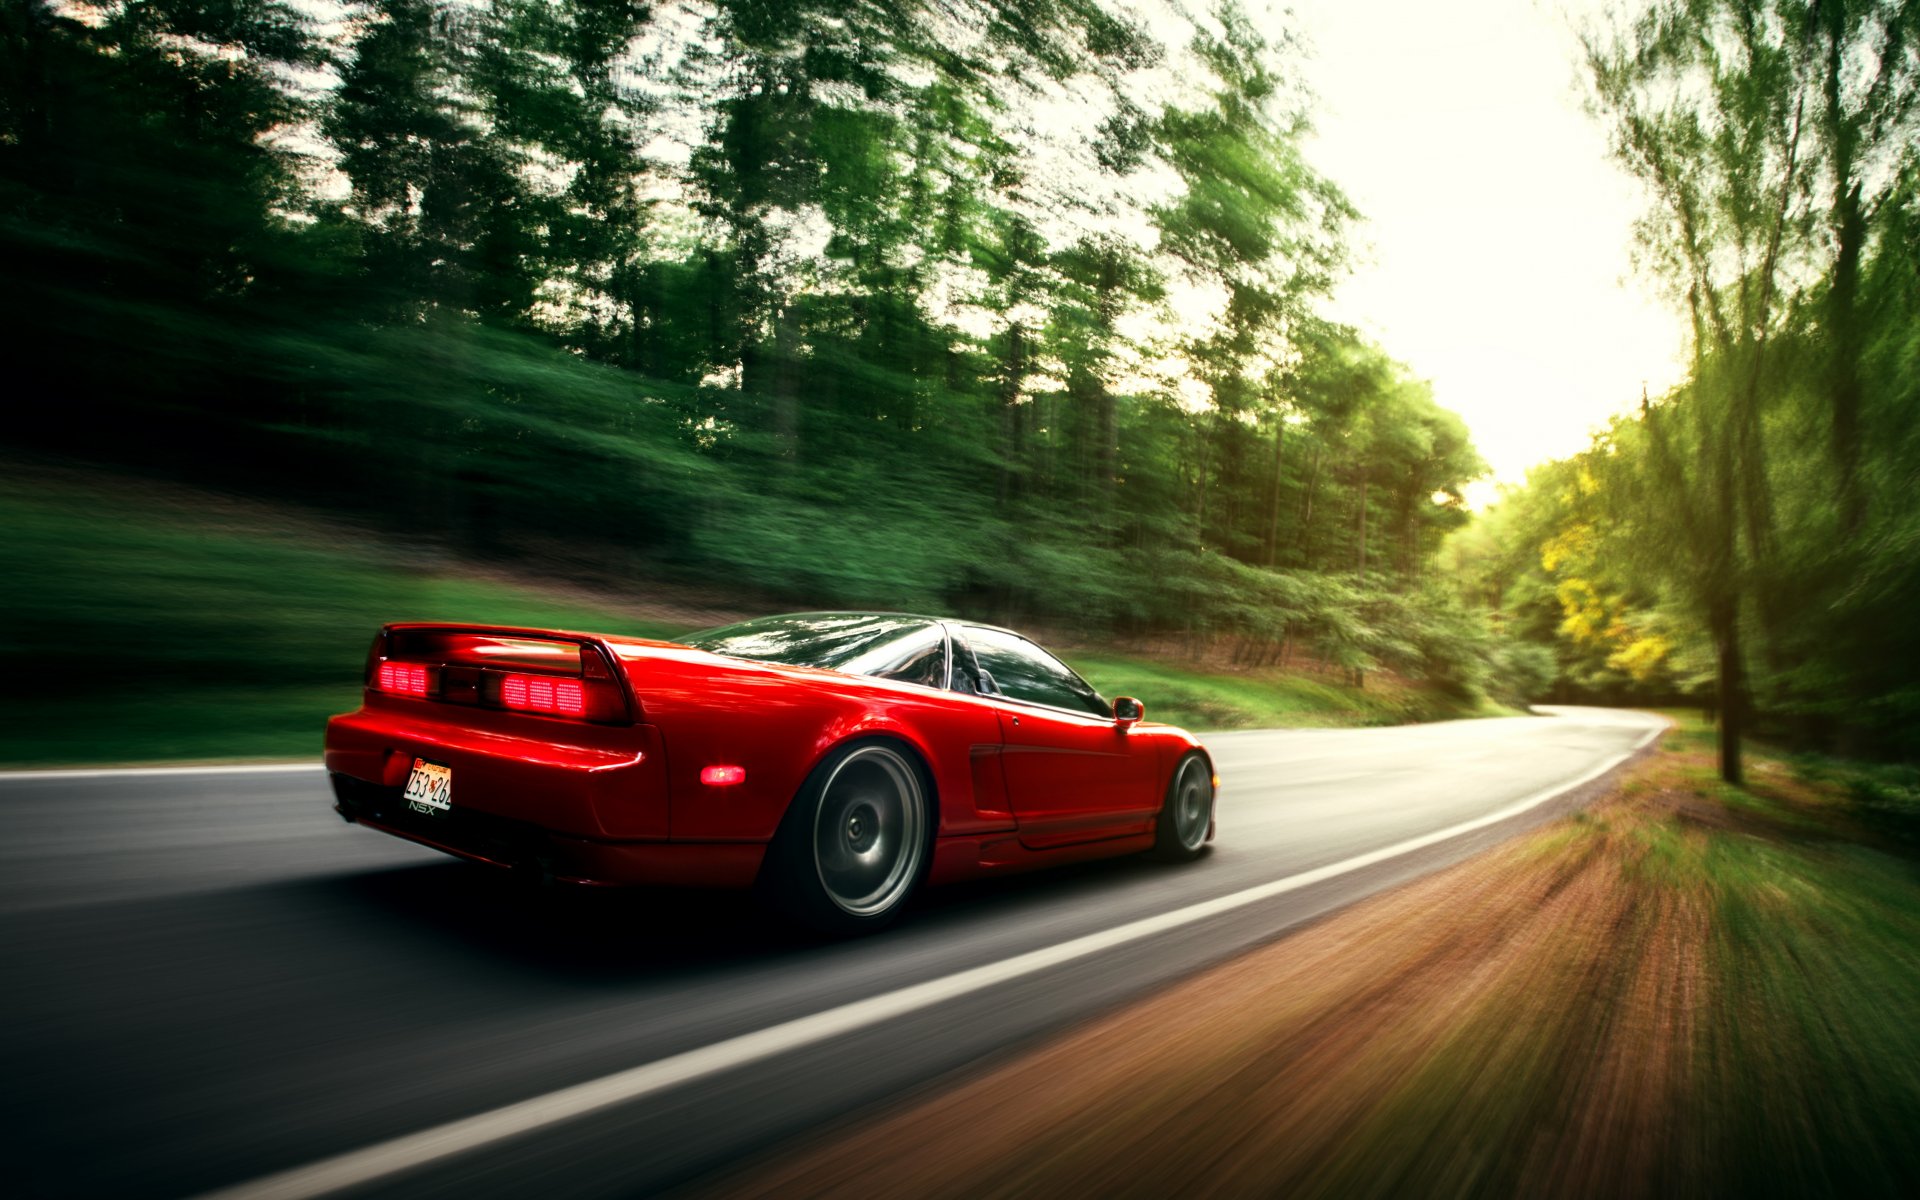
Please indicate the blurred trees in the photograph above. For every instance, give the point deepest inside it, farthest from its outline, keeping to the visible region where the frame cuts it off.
(1760, 518)
(1005, 305)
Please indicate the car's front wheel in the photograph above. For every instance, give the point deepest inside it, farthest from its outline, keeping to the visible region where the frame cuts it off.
(1181, 832)
(854, 845)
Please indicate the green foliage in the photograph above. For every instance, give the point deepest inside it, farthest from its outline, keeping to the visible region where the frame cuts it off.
(1259, 699)
(805, 298)
(1747, 539)
(1522, 672)
(154, 629)
(150, 625)
(1885, 795)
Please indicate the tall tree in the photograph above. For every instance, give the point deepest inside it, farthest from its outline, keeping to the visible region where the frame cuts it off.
(1865, 64)
(441, 191)
(560, 85)
(140, 177)
(1706, 102)
(1253, 222)
(510, 266)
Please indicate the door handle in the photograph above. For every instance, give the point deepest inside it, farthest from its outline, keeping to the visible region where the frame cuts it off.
(1016, 720)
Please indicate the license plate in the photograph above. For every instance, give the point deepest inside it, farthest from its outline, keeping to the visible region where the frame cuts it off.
(429, 788)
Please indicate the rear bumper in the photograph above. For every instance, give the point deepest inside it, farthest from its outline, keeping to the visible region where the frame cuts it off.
(607, 783)
(526, 847)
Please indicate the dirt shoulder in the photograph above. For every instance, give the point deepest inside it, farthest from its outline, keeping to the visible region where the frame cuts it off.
(1684, 990)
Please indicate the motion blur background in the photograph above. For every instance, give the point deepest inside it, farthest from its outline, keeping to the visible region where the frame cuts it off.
(642, 317)
(637, 316)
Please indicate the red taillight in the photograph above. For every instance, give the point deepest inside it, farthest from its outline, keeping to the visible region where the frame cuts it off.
(544, 694)
(722, 776)
(531, 674)
(405, 679)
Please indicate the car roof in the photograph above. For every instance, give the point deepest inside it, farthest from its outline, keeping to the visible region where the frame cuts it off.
(875, 612)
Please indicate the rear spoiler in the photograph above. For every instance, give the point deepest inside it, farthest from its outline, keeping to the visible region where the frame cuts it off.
(466, 649)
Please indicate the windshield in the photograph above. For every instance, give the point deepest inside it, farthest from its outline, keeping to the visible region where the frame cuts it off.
(858, 643)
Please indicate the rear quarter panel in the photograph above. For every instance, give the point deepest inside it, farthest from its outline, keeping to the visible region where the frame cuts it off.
(777, 722)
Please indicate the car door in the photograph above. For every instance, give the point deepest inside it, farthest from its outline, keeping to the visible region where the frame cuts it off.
(1072, 774)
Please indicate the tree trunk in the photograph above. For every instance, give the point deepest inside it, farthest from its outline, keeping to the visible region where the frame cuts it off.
(1273, 509)
(1231, 478)
(1305, 529)
(1202, 430)
(785, 398)
(1107, 460)
(1849, 228)
(1410, 534)
(1723, 606)
(1724, 622)
(1360, 560)
(1012, 448)
(1846, 388)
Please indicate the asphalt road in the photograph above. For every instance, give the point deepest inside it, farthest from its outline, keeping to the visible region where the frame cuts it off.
(206, 979)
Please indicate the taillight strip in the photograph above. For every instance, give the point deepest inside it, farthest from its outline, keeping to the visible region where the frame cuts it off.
(453, 674)
(405, 679)
(544, 694)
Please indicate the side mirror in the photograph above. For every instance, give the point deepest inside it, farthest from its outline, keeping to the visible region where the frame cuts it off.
(1127, 710)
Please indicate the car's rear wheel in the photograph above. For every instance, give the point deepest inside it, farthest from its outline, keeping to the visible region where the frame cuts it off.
(855, 843)
(1181, 832)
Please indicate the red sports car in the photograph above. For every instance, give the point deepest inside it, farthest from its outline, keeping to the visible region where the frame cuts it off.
(835, 760)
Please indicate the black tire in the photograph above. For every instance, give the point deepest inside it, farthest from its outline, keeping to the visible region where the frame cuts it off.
(1180, 834)
(856, 842)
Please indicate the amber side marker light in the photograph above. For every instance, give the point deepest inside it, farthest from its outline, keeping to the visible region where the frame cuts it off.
(722, 776)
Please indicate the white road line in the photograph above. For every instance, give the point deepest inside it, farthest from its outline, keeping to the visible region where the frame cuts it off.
(137, 772)
(357, 1167)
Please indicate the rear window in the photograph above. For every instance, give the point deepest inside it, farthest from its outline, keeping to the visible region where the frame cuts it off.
(859, 643)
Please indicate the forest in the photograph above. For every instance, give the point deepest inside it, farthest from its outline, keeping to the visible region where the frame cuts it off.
(1011, 308)
(1752, 538)
(1008, 307)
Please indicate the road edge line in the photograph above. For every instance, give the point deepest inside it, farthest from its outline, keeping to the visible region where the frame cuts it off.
(355, 1168)
(29, 774)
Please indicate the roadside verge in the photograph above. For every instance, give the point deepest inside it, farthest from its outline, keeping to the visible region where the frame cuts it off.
(1688, 989)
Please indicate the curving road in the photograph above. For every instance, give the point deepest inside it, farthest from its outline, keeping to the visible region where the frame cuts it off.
(210, 982)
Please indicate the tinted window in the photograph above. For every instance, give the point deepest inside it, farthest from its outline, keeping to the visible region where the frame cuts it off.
(893, 647)
(916, 657)
(966, 674)
(1023, 671)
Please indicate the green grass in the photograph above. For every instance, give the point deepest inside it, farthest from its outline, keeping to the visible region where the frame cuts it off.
(154, 631)
(1731, 1007)
(1805, 1066)
(148, 625)
(1203, 700)
(1883, 796)
(1886, 795)
(1810, 1075)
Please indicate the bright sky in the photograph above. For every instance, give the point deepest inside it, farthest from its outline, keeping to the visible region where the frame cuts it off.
(1498, 230)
